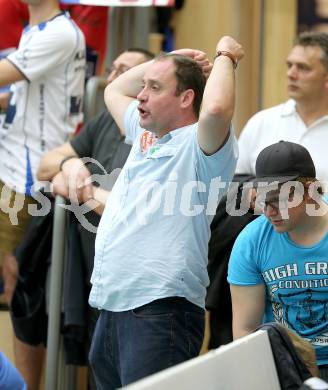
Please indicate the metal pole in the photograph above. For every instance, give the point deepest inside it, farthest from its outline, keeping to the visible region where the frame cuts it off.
(56, 281)
(139, 37)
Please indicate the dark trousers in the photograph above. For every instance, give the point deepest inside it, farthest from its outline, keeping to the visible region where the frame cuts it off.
(133, 344)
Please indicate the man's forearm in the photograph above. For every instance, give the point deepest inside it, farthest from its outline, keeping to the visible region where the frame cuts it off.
(129, 83)
(9, 73)
(50, 162)
(49, 166)
(219, 94)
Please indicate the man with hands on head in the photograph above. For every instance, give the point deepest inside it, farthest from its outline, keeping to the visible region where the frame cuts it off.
(150, 275)
(101, 143)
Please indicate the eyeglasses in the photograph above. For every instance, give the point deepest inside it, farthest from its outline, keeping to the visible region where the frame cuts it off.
(276, 204)
(118, 70)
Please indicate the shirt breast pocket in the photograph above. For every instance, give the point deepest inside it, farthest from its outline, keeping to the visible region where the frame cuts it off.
(162, 161)
(156, 152)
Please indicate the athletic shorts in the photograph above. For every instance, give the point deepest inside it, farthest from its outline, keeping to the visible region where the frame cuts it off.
(14, 217)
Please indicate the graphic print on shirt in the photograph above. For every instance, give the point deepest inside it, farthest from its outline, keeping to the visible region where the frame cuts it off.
(76, 105)
(299, 298)
(147, 139)
(10, 112)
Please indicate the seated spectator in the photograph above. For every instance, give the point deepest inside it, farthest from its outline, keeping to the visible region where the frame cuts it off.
(278, 265)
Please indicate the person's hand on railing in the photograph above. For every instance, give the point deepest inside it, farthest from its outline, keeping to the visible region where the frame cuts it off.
(59, 186)
(77, 179)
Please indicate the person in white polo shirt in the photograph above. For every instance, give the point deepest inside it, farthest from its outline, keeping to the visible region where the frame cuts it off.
(47, 76)
(149, 277)
(304, 117)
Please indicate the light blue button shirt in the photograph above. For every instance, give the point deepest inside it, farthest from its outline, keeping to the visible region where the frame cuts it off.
(152, 240)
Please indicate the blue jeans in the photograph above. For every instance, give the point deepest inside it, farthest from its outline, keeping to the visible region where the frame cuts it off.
(133, 344)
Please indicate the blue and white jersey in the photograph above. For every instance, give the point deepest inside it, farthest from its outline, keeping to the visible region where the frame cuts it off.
(296, 280)
(46, 107)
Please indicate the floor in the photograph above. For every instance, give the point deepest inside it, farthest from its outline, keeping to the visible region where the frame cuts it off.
(6, 346)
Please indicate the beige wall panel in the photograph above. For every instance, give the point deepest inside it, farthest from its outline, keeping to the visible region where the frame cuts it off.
(199, 25)
(280, 30)
(248, 73)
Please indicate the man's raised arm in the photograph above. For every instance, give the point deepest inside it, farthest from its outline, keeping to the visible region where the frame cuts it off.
(124, 89)
(219, 96)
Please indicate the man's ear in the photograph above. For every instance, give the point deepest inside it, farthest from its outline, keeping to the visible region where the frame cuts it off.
(187, 98)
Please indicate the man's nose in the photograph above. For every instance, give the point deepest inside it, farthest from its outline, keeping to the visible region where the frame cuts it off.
(142, 95)
(292, 71)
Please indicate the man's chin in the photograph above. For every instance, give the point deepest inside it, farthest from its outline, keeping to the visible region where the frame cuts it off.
(144, 124)
(278, 226)
(279, 229)
(293, 94)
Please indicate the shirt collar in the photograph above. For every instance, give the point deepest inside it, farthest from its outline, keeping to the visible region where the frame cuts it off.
(289, 108)
(176, 132)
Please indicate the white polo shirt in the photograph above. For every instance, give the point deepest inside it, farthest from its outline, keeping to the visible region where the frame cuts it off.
(282, 123)
(46, 107)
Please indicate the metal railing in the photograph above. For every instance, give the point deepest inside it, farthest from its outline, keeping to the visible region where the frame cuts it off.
(58, 376)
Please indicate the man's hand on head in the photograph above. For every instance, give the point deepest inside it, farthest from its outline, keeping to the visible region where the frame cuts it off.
(199, 56)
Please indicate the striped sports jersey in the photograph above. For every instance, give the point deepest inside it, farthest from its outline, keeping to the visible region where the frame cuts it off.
(45, 107)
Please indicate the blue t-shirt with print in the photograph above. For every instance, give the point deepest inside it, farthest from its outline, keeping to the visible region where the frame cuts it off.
(10, 378)
(296, 280)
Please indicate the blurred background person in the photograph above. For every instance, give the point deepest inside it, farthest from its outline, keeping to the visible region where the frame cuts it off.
(47, 75)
